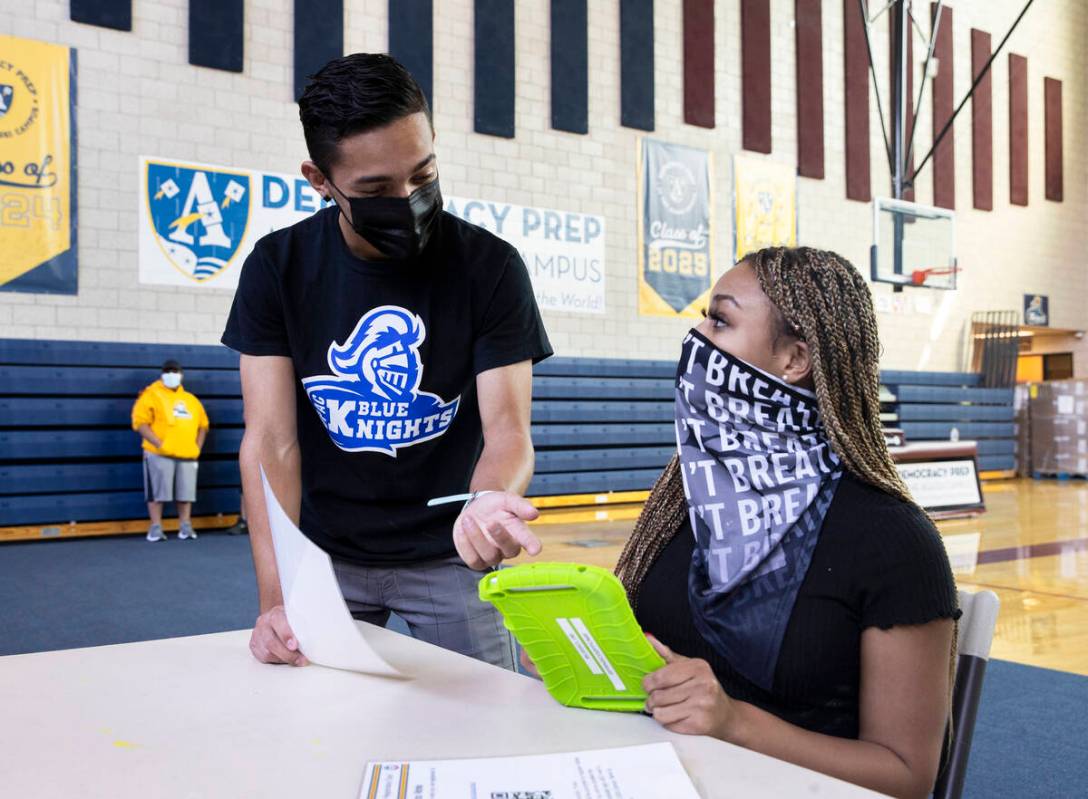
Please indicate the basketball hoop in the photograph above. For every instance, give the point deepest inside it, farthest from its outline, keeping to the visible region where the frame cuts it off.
(919, 276)
(913, 245)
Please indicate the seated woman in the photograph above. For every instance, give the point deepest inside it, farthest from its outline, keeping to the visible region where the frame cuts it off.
(803, 602)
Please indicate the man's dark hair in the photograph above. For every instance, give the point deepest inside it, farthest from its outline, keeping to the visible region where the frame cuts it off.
(171, 366)
(355, 94)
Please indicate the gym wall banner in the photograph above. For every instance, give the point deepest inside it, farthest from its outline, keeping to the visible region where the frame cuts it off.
(563, 251)
(1037, 310)
(199, 222)
(37, 167)
(675, 229)
(765, 203)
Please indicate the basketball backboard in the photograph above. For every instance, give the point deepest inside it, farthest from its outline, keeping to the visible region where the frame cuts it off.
(913, 245)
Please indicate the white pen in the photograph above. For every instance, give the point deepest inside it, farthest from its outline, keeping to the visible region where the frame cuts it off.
(448, 500)
(457, 498)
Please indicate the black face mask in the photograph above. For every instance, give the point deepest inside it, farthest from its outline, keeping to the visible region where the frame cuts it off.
(398, 227)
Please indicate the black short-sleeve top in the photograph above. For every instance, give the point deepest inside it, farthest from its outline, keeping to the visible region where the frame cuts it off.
(879, 562)
(386, 356)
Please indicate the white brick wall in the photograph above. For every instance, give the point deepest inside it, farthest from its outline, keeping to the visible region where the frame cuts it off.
(138, 95)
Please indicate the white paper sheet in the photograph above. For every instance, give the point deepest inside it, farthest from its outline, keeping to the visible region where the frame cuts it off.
(633, 772)
(326, 632)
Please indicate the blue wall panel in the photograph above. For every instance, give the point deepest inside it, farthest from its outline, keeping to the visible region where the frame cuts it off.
(570, 66)
(637, 64)
(494, 84)
(319, 37)
(116, 14)
(411, 40)
(216, 34)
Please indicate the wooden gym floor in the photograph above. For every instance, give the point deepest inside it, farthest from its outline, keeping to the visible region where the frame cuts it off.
(1030, 548)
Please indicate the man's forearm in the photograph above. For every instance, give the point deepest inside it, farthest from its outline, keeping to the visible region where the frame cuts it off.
(281, 464)
(201, 437)
(506, 464)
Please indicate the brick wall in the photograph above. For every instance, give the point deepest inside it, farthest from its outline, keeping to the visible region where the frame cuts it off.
(138, 95)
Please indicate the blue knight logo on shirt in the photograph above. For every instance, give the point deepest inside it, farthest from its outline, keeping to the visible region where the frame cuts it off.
(372, 401)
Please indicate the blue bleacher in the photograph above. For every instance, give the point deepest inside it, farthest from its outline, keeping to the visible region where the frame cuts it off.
(930, 405)
(67, 452)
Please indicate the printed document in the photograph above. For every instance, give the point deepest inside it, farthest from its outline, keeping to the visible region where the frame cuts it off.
(651, 771)
(326, 632)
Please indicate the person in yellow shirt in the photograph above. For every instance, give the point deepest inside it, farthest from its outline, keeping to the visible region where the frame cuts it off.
(173, 425)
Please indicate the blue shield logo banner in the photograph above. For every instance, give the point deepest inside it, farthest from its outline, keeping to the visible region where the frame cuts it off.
(372, 401)
(199, 214)
(7, 92)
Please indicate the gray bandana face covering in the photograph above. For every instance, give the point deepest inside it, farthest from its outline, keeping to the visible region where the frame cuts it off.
(759, 475)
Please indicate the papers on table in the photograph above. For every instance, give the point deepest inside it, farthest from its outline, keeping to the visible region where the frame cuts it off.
(319, 618)
(634, 772)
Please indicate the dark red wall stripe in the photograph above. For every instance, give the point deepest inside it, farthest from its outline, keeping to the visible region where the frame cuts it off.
(1018, 129)
(856, 85)
(982, 123)
(810, 88)
(1052, 93)
(755, 74)
(908, 193)
(699, 62)
(944, 158)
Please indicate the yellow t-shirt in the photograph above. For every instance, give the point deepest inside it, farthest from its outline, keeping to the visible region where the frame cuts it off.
(175, 417)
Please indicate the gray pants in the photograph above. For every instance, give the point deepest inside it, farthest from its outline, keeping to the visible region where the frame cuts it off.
(437, 600)
(169, 479)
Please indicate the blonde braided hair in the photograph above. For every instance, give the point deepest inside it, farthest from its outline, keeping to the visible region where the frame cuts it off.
(813, 289)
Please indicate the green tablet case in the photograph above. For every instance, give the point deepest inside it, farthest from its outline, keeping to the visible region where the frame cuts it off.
(578, 628)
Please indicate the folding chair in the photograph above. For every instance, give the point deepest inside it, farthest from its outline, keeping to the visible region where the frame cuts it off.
(976, 632)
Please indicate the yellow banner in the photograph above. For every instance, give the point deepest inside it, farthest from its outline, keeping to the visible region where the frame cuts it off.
(766, 205)
(37, 208)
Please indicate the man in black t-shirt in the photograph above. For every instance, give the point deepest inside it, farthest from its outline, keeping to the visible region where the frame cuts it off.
(387, 352)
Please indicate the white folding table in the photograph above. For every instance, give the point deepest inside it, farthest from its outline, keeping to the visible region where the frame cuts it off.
(199, 717)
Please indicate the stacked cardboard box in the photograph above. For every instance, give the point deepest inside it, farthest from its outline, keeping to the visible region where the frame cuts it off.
(1059, 427)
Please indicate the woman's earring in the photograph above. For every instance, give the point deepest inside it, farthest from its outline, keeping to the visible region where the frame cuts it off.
(785, 378)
